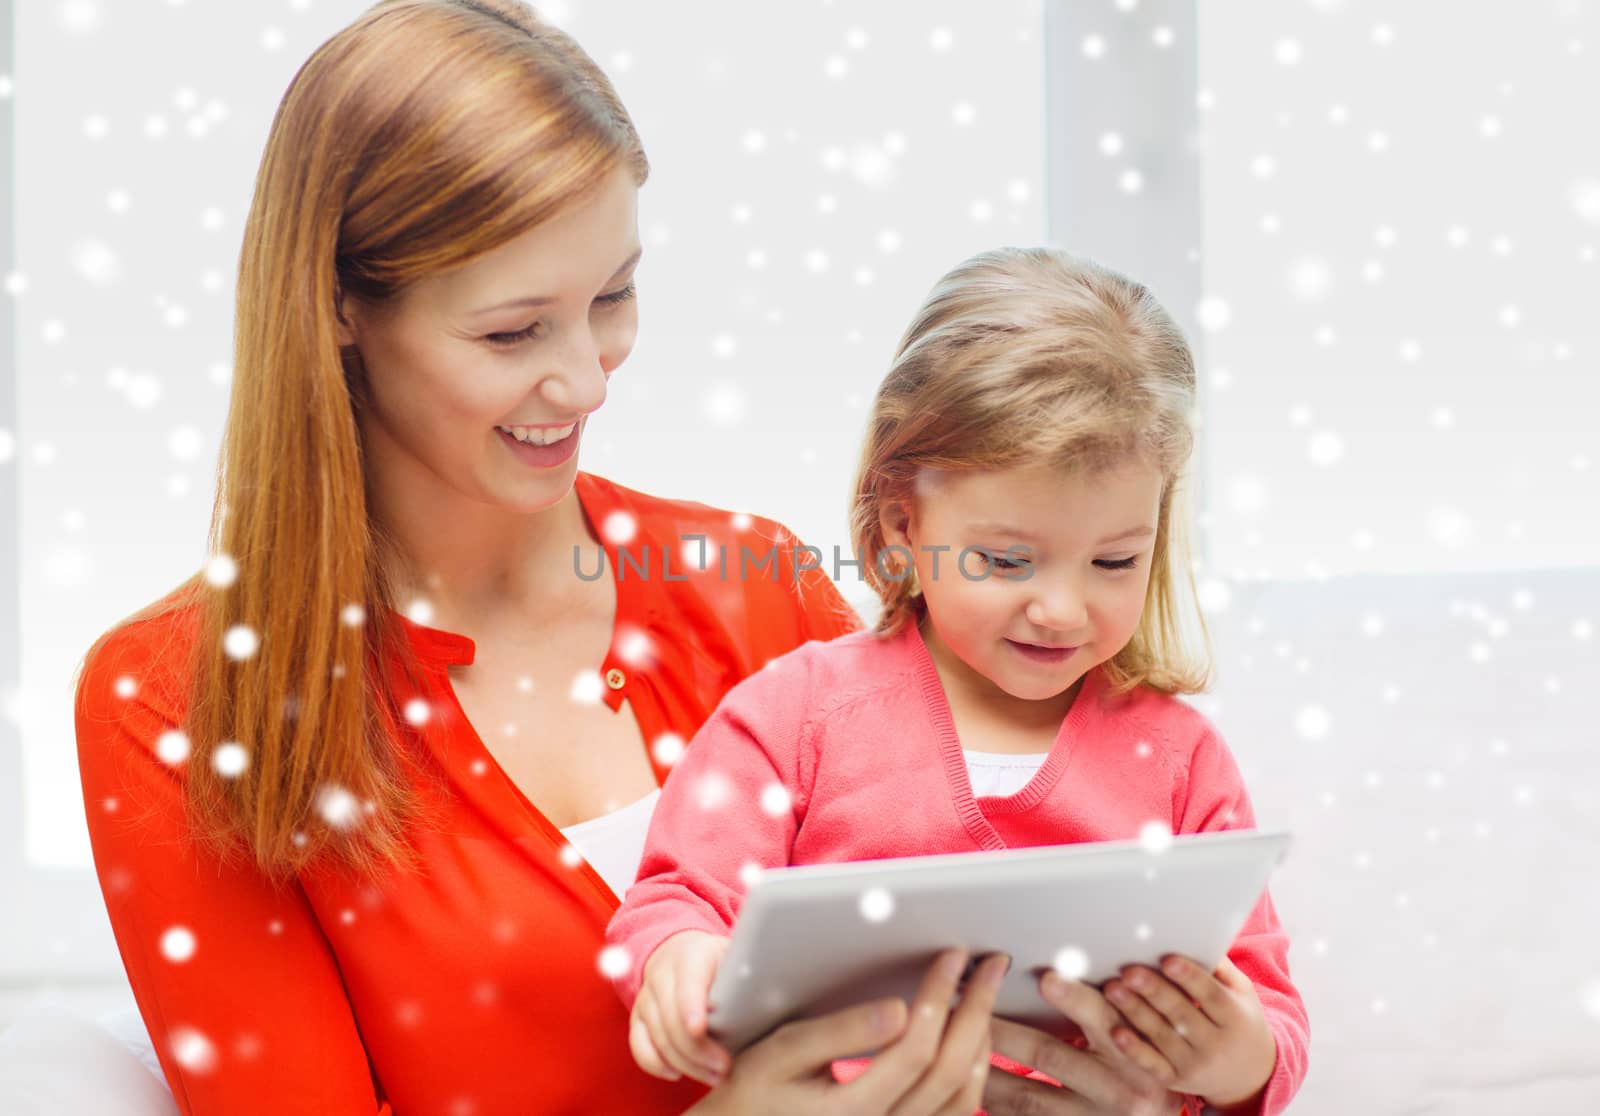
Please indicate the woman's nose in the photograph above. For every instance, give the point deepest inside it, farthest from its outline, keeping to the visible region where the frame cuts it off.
(577, 384)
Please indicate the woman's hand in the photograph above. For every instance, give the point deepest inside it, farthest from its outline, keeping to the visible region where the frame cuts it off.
(667, 1031)
(1194, 1031)
(1098, 1081)
(931, 1061)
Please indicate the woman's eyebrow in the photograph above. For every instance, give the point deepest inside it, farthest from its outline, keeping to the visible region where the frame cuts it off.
(545, 300)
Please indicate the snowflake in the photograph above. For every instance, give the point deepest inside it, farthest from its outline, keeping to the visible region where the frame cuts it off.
(713, 790)
(1155, 836)
(240, 642)
(776, 800)
(667, 749)
(172, 747)
(177, 944)
(587, 688)
(222, 571)
(614, 962)
(1313, 722)
(1071, 963)
(338, 807)
(230, 759)
(876, 904)
(192, 1050)
(1214, 313)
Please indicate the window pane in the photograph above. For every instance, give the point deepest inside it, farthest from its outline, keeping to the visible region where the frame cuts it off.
(1400, 224)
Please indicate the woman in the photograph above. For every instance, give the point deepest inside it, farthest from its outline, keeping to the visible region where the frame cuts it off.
(329, 832)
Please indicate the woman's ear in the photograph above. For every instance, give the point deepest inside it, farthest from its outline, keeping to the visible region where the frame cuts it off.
(343, 319)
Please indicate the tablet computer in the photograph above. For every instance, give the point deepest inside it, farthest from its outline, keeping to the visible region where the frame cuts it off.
(815, 938)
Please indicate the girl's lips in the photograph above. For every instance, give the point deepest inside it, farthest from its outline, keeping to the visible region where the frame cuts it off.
(1035, 653)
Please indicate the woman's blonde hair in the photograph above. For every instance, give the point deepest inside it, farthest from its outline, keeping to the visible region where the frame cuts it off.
(1036, 357)
(425, 133)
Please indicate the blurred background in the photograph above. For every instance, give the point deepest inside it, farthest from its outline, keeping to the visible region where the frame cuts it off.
(1377, 222)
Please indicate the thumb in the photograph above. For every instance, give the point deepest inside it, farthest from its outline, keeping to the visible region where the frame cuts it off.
(694, 983)
(1232, 979)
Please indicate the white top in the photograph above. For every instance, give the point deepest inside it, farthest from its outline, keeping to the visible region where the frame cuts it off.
(614, 843)
(1001, 774)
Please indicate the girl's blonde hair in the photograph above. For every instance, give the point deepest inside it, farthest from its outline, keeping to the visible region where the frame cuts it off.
(1037, 357)
(425, 133)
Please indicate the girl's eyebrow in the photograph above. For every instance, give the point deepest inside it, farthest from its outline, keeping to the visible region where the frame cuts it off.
(1007, 529)
(1003, 529)
(1131, 533)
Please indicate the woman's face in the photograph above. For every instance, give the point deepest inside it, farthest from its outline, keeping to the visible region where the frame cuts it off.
(481, 378)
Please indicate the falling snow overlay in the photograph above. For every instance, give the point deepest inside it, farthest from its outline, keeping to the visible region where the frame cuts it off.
(1394, 263)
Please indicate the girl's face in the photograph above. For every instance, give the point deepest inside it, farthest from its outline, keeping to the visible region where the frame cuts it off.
(467, 367)
(1029, 629)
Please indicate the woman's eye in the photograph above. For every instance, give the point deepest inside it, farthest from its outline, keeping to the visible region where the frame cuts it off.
(514, 338)
(615, 298)
(1117, 564)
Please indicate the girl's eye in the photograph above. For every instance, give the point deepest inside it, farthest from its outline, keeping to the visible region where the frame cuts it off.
(998, 559)
(605, 301)
(616, 298)
(1118, 564)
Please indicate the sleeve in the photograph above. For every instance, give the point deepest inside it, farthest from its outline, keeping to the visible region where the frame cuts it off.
(733, 804)
(238, 988)
(1214, 798)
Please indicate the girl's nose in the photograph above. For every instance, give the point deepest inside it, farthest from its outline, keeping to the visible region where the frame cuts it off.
(1058, 608)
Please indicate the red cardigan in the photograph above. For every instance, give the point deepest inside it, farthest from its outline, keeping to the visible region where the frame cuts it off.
(468, 986)
(847, 751)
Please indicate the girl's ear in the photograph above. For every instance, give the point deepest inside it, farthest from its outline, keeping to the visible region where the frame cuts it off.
(896, 520)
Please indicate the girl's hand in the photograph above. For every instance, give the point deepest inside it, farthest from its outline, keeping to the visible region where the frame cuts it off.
(1194, 1031)
(667, 1031)
(931, 1061)
(1098, 1081)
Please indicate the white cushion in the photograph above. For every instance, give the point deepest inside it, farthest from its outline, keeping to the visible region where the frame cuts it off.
(53, 1061)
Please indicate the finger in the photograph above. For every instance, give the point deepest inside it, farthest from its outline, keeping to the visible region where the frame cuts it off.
(1006, 1094)
(1233, 979)
(645, 1040)
(963, 1053)
(1202, 988)
(893, 1071)
(1083, 1005)
(1077, 1070)
(1174, 1004)
(671, 1036)
(970, 1098)
(813, 1045)
(1148, 1040)
(1089, 1084)
(693, 988)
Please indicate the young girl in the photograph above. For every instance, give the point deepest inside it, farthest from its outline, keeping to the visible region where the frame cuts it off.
(1014, 510)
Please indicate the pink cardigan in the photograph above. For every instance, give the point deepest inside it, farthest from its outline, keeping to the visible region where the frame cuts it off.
(846, 751)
